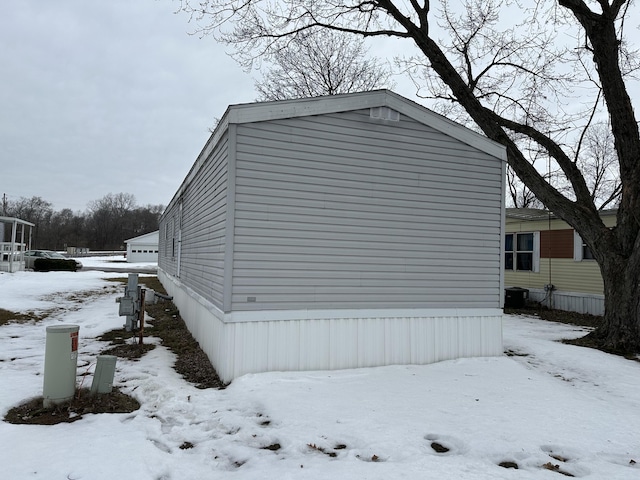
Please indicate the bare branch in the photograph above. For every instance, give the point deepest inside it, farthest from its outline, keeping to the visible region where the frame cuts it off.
(321, 63)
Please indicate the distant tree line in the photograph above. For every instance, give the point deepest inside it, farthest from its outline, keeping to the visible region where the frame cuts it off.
(105, 225)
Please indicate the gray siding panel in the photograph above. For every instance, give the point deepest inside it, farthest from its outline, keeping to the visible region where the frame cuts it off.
(204, 204)
(342, 211)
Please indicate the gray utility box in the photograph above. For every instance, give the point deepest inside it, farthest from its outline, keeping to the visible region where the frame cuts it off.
(127, 306)
(60, 364)
(103, 377)
(130, 304)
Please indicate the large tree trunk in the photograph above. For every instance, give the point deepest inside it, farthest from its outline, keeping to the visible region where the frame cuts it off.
(620, 330)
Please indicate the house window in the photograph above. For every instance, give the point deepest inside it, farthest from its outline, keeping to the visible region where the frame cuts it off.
(520, 252)
(580, 249)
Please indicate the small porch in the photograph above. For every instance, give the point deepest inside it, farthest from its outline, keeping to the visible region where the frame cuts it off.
(15, 239)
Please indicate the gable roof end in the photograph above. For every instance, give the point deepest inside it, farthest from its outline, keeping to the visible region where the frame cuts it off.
(301, 107)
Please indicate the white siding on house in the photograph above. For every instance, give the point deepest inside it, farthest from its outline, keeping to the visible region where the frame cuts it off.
(577, 282)
(580, 302)
(344, 211)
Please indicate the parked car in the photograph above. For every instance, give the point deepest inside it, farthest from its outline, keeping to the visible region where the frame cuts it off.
(30, 256)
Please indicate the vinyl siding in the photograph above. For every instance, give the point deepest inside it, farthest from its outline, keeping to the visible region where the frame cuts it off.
(204, 205)
(565, 274)
(516, 225)
(342, 211)
(165, 260)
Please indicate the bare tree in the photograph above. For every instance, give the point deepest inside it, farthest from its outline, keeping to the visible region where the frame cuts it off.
(35, 210)
(538, 77)
(108, 220)
(518, 195)
(321, 63)
(596, 158)
(600, 164)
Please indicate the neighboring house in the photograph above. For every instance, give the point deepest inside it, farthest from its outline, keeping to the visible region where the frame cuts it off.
(143, 248)
(542, 250)
(15, 239)
(338, 232)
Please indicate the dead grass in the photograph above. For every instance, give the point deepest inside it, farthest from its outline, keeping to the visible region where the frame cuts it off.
(7, 316)
(561, 316)
(573, 318)
(33, 413)
(73, 302)
(192, 363)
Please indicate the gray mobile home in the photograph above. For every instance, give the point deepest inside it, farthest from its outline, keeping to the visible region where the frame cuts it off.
(338, 232)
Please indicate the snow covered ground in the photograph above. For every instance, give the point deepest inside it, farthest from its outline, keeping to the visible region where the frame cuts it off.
(578, 405)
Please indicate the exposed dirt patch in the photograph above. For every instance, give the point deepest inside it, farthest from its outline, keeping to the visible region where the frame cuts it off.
(556, 468)
(131, 351)
(79, 297)
(572, 318)
(33, 413)
(439, 448)
(274, 447)
(591, 342)
(192, 363)
(326, 451)
(73, 300)
(7, 316)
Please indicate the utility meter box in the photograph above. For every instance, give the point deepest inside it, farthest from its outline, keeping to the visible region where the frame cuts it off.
(60, 364)
(130, 304)
(127, 306)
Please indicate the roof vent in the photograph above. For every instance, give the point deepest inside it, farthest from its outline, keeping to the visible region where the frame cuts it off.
(384, 113)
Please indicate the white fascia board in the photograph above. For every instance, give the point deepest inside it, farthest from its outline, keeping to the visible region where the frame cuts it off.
(303, 107)
(258, 112)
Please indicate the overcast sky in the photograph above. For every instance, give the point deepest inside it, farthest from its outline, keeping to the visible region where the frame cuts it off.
(115, 87)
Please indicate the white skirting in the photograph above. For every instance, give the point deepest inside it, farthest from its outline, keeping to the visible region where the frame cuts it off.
(328, 340)
(591, 303)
